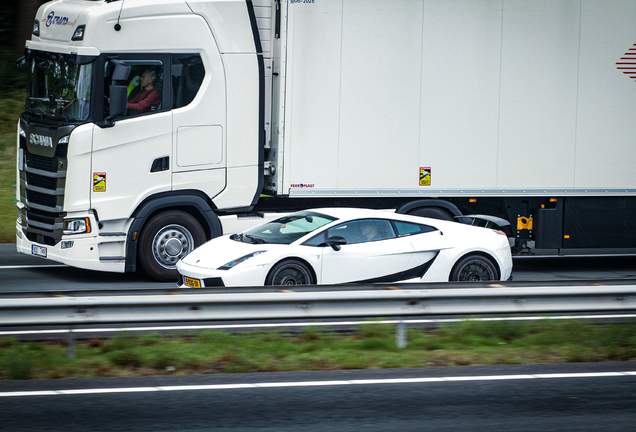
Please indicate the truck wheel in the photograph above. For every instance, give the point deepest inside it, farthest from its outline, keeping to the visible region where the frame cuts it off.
(166, 238)
(431, 212)
(474, 268)
(290, 272)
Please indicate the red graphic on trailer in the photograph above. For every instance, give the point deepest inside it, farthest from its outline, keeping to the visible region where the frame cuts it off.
(627, 63)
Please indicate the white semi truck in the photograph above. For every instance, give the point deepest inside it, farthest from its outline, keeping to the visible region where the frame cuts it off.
(153, 125)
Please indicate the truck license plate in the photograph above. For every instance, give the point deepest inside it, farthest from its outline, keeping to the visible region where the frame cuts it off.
(38, 250)
(192, 283)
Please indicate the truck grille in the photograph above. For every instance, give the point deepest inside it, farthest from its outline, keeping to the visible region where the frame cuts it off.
(42, 184)
(41, 199)
(41, 163)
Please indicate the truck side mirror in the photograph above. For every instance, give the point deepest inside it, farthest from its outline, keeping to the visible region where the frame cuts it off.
(121, 71)
(118, 105)
(118, 93)
(335, 242)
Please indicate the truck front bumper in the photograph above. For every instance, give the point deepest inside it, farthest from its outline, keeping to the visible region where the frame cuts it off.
(90, 252)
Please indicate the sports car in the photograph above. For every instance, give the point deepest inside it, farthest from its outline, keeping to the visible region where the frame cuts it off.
(346, 245)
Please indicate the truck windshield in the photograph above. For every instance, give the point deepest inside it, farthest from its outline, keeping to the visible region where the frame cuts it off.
(59, 89)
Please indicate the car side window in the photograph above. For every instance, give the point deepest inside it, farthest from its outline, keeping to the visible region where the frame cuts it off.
(407, 228)
(317, 240)
(364, 230)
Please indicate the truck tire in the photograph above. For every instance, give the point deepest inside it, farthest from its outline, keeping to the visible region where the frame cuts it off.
(432, 212)
(290, 272)
(165, 239)
(474, 268)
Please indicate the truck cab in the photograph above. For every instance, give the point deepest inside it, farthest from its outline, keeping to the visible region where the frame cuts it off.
(101, 183)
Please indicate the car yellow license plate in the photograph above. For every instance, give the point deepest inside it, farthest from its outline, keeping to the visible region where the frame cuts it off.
(192, 283)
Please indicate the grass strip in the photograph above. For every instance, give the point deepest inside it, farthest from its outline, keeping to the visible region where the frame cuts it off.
(367, 347)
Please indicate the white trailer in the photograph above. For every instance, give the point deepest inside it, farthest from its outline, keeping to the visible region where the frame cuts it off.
(517, 109)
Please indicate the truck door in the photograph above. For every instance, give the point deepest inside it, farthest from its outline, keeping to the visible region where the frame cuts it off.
(127, 157)
(199, 112)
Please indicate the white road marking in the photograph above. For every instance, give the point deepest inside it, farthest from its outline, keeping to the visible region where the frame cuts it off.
(8, 267)
(314, 384)
(301, 324)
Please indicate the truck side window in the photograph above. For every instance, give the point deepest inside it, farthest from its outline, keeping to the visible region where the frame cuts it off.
(145, 87)
(187, 76)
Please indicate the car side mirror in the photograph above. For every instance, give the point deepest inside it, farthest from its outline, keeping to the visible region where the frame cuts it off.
(335, 242)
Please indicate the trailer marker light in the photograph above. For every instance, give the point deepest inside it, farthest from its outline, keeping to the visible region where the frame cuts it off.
(553, 200)
(472, 200)
(566, 236)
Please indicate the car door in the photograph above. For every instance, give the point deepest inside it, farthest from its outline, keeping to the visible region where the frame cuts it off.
(382, 258)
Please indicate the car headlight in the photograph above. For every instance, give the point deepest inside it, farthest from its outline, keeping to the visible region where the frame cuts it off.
(77, 226)
(237, 261)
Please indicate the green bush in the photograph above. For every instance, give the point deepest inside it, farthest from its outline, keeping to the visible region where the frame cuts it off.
(19, 364)
(125, 358)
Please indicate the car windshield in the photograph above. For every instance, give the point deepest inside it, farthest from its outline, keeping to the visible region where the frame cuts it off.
(59, 89)
(285, 230)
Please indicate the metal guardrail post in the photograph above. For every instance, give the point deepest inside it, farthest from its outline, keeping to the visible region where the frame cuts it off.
(401, 334)
(71, 353)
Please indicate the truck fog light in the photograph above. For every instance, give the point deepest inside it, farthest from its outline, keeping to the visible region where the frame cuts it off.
(19, 233)
(67, 244)
(77, 226)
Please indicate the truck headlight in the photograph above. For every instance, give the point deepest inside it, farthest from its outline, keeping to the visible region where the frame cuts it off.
(77, 226)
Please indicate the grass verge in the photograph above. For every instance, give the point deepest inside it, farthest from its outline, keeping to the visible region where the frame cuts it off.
(11, 105)
(369, 347)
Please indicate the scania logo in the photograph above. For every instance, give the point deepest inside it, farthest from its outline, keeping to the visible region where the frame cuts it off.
(41, 140)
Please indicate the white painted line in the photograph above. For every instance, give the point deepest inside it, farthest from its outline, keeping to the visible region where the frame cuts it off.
(313, 384)
(31, 266)
(303, 324)
(492, 378)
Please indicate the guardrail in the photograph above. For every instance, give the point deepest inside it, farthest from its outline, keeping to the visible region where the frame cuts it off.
(286, 304)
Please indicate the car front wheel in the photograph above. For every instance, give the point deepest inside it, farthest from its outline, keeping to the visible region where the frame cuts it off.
(290, 272)
(474, 268)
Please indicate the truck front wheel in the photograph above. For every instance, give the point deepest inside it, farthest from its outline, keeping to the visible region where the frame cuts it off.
(166, 238)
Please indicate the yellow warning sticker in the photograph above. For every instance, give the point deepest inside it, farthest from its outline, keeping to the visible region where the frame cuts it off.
(99, 182)
(425, 176)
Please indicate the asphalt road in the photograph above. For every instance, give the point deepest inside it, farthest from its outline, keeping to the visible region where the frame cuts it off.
(19, 272)
(496, 398)
(467, 399)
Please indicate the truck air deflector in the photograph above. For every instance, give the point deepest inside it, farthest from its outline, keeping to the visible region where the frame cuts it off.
(261, 105)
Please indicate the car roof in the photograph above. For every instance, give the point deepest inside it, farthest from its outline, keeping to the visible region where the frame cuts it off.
(345, 213)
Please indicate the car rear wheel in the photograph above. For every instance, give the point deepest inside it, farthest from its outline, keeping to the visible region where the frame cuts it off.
(474, 268)
(290, 272)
